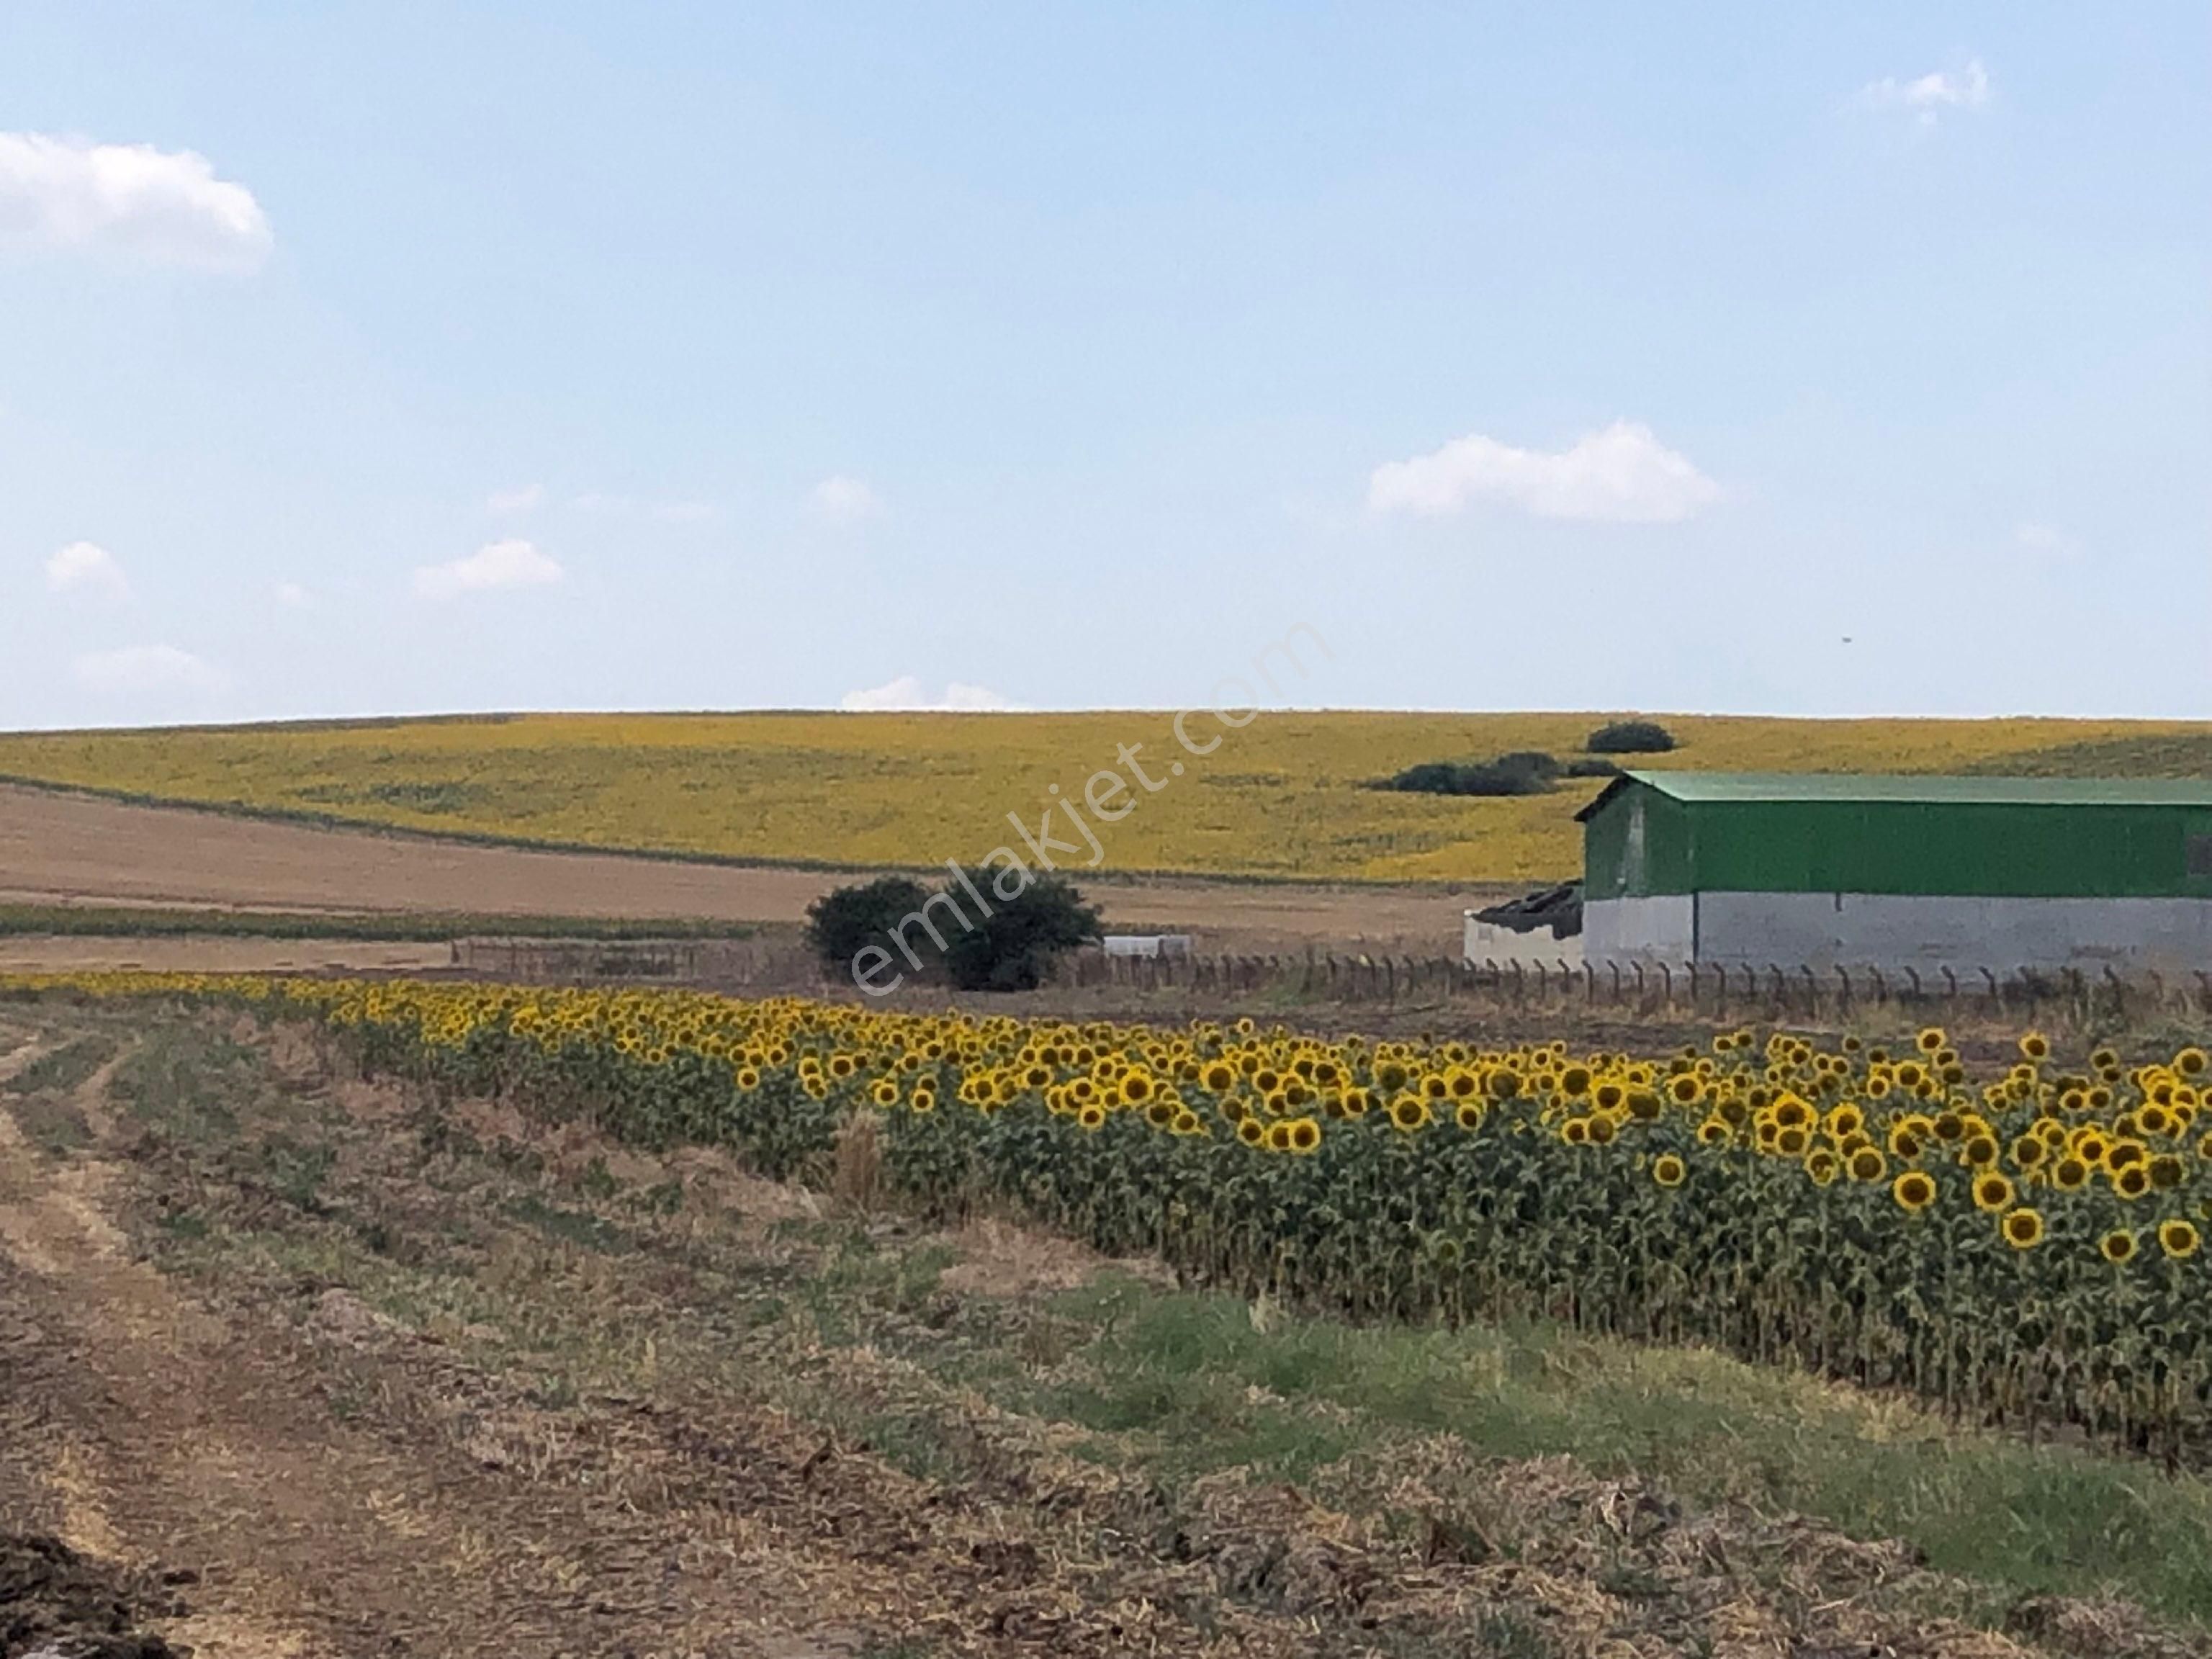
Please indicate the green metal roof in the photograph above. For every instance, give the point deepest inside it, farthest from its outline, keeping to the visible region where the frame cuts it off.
(1904, 787)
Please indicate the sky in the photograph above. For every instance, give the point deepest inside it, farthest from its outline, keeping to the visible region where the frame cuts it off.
(402, 358)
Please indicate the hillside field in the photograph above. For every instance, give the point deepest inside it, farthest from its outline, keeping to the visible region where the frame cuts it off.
(1283, 797)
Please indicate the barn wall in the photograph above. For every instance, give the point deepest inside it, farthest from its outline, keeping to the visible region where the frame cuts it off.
(1936, 848)
(1660, 928)
(1893, 931)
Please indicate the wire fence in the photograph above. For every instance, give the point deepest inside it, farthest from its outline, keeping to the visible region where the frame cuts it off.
(1693, 990)
(1719, 990)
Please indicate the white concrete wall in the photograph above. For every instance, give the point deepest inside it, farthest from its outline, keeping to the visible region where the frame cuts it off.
(1659, 929)
(1892, 930)
(1485, 941)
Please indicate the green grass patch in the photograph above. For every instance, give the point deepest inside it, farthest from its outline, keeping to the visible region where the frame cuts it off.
(578, 1227)
(1195, 1384)
(52, 1124)
(190, 1080)
(64, 1069)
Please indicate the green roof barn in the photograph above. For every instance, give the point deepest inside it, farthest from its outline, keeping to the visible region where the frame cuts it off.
(1997, 872)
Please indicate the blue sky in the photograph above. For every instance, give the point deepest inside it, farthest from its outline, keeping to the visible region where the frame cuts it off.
(395, 358)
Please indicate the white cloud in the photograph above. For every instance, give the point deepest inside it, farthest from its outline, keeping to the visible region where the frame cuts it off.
(1929, 95)
(164, 206)
(843, 500)
(514, 500)
(145, 668)
(293, 597)
(86, 566)
(904, 696)
(494, 565)
(1623, 474)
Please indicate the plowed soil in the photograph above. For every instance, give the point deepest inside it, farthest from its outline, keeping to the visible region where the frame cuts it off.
(56, 846)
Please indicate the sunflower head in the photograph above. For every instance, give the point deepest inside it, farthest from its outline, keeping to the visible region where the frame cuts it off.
(1669, 1171)
(2022, 1229)
(2179, 1238)
(2118, 1246)
(1914, 1190)
(1993, 1192)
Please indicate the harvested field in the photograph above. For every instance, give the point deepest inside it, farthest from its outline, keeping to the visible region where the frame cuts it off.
(295, 1363)
(61, 846)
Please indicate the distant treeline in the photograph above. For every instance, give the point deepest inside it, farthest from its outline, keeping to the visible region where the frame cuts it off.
(1533, 771)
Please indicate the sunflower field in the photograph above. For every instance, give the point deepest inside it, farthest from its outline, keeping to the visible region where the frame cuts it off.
(2022, 1242)
(1286, 798)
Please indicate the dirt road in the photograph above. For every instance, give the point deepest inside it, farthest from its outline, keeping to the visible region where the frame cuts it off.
(79, 848)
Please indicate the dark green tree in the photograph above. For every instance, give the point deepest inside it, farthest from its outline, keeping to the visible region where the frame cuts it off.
(846, 920)
(1629, 738)
(1013, 948)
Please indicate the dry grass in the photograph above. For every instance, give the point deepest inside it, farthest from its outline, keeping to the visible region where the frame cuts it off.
(1283, 797)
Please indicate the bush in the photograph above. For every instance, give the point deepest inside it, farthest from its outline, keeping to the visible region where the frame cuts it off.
(1591, 766)
(1524, 772)
(845, 921)
(1629, 738)
(1013, 948)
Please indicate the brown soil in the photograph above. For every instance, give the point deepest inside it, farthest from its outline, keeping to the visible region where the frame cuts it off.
(57, 846)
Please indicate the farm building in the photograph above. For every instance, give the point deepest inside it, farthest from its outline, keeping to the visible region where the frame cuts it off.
(1929, 872)
(1542, 930)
